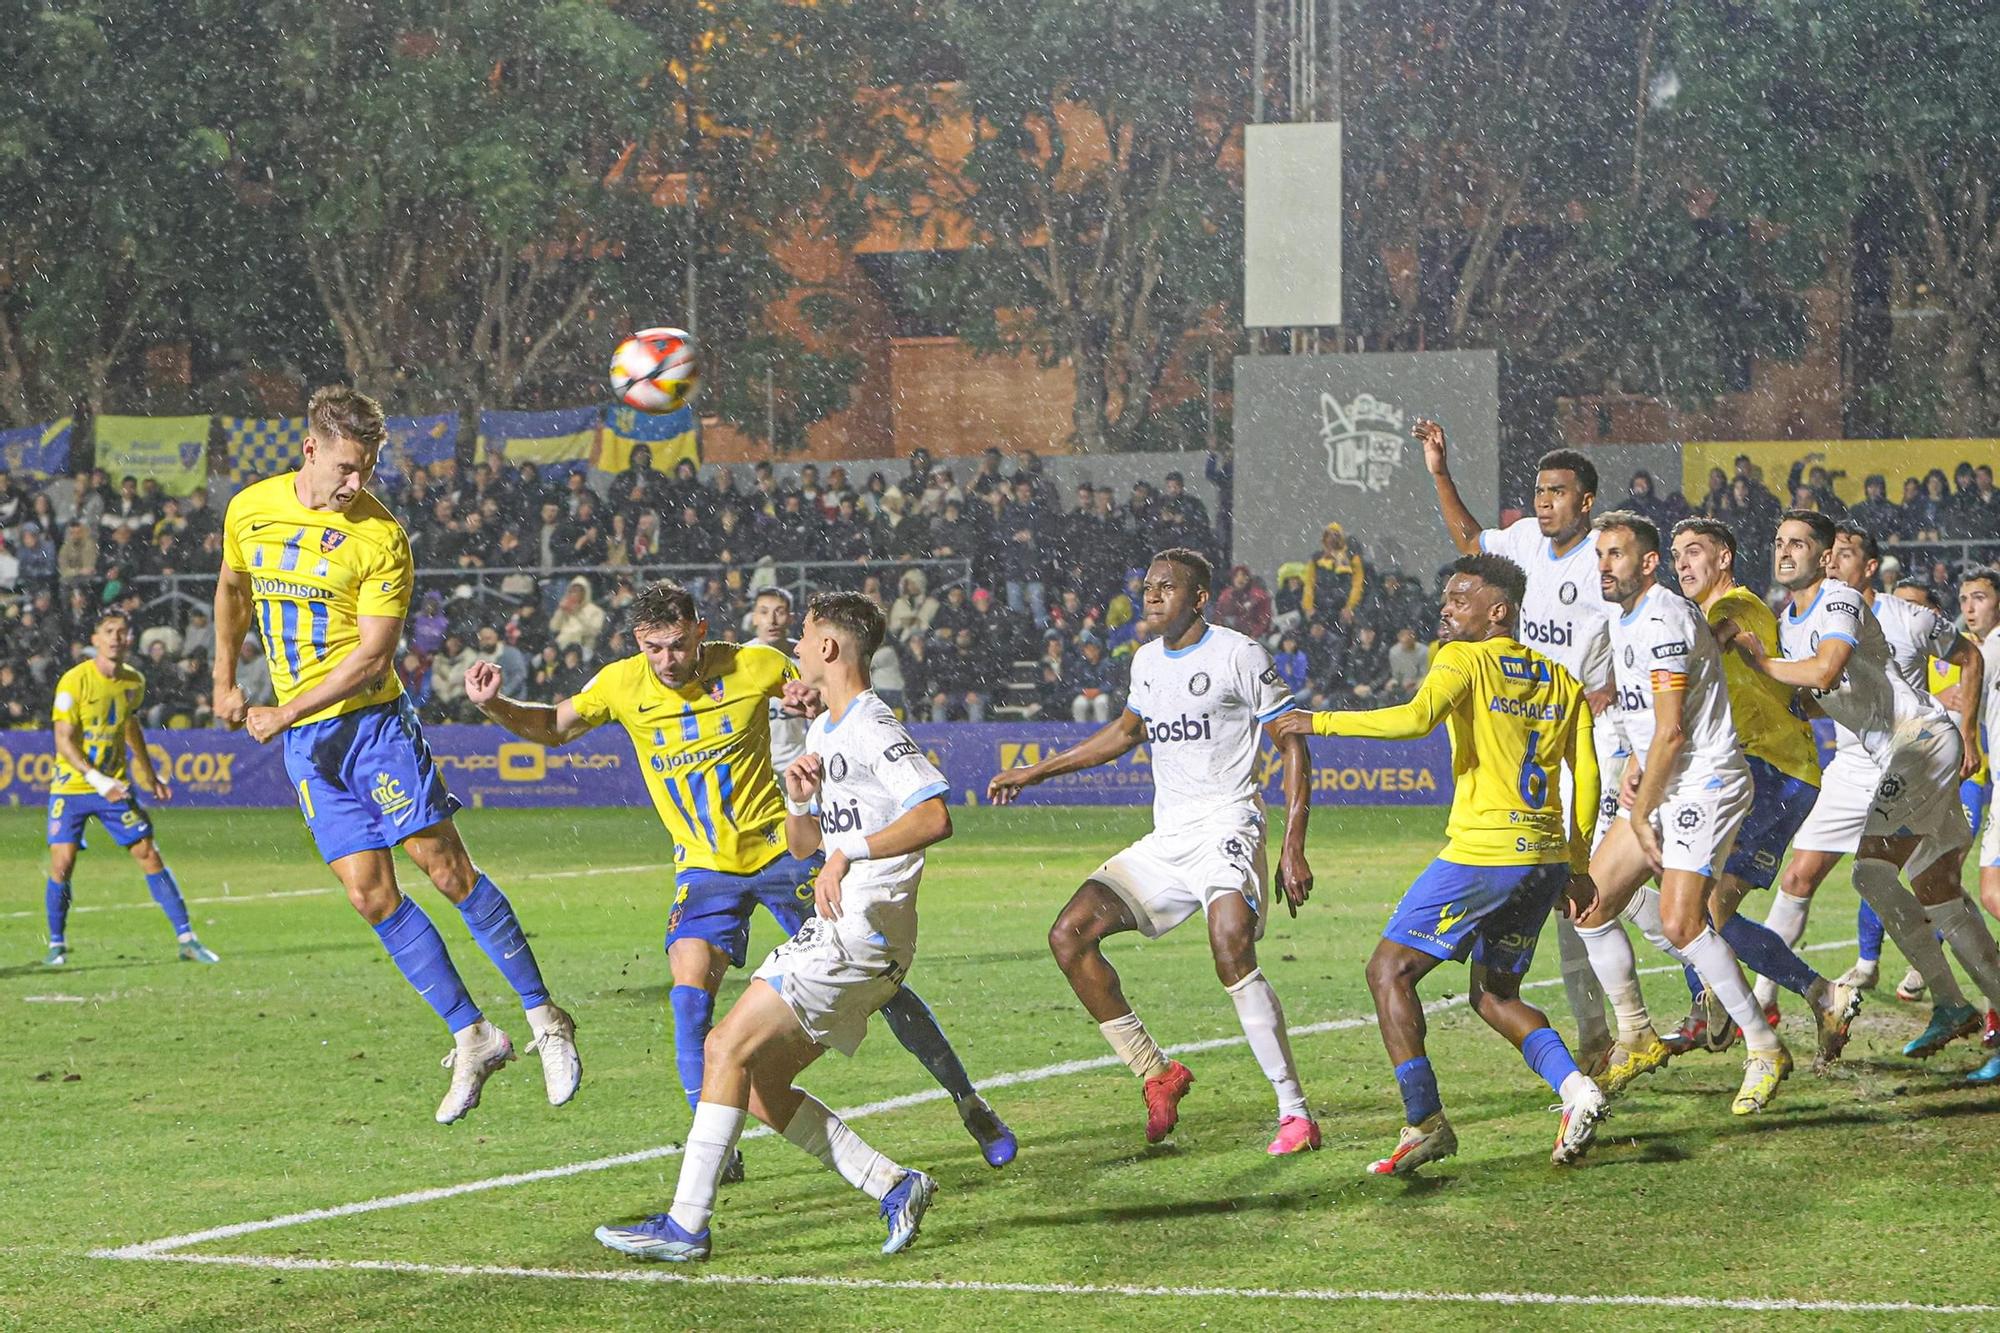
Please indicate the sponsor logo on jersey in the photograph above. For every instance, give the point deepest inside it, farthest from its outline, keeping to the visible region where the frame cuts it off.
(1843, 608)
(900, 750)
(263, 587)
(1198, 684)
(836, 766)
(1182, 728)
(1678, 648)
(840, 818)
(1547, 633)
(1269, 675)
(1363, 440)
(1525, 668)
(1629, 700)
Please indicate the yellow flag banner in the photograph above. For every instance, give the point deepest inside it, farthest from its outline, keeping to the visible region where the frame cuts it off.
(1849, 461)
(171, 450)
(670, 435)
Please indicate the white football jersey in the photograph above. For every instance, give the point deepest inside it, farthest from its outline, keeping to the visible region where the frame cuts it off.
(1915, 635)
(870, 773)
(788, 731)
(1204, 707)
(1871, 700)
(1667, 636)
(1989, 704)
(1564, 615)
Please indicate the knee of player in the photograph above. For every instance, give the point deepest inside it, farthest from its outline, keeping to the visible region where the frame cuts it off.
(454, 876)
(721, 1050)
(1390, 970)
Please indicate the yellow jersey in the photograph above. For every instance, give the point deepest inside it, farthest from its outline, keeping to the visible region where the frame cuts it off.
(98, 706)
(705, 750)
(1762, 708)
(313, 574)
(1515, 718)
(1940, 676)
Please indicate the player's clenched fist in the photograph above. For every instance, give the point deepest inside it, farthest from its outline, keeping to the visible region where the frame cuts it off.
(482, 683)
(264, 723)
(802, 699)
(230, 707)
(802, 779)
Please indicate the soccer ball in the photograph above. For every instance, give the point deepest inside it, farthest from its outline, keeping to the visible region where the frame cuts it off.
(654, 370)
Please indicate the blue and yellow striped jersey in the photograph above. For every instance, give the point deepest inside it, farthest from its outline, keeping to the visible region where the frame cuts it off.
(705, 750)
(313, 574)
(1762, 708)
(1515, 718)
(99, 707)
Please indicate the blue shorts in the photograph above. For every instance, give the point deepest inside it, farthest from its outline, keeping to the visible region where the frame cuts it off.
(715, 907)
(1491, 914)
(124, 820)
(365, 780)
(1973, 796)
(1780, 805)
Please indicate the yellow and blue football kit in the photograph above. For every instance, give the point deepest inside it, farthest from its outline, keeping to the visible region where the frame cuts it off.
(705, 752)
(1778, 745)
(362, 773)
(1514, 718)
(1976, 791)
(99, 707)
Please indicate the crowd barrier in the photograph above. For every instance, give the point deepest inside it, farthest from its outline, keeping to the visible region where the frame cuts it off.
(485, 766)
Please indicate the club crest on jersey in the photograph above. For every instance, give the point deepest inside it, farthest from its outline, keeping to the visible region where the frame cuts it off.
(1363, 441)
(1812, 640)
(329, 540)
(715, 689)
(1198, 684)
(836, 767)
(1631, 656)
(1567, 594)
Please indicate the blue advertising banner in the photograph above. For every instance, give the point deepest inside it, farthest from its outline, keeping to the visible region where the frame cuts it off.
(487, 766)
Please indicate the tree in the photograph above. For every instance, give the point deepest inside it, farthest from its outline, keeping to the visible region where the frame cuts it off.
(1080, 148)
(116, 122)
(1813, 115)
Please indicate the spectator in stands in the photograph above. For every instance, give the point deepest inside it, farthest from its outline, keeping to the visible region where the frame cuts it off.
(961, 680)
(998, 630)
(1176, 499)
(253, 673)
(512, 662)
(447, 681)
(917, 681)
(76, 562)
(428, 625)
(885, 675)
(472, 547)
(18, 711)
(578, 619)
(914, 609)
(1933, 506)
(954, 613)
(198, 638)
(1400, 604)
(1335, 579)
(1244, 605)
(1877, 512)
(583, 541)
(953, 536)
(1290, 660)
(1023, 560)
(989, 477)
(38, 560)
(128, 509)
(898, 534)
(1325, 648)
(1091, 676)
(13, 503)
(1408, 661)
(1367, 665)
(1979, 506)
(1715, 500)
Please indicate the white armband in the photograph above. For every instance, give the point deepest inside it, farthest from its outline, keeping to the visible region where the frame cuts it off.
(793, 807)
(98, 782)
(852, 844)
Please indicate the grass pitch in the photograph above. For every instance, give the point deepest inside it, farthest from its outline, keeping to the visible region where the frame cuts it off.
(144, 1098)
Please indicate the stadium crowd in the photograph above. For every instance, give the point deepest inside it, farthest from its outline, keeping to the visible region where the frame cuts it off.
(1005, 598)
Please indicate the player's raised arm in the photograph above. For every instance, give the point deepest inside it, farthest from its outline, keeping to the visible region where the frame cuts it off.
(365, 664)
(545, 724)
(1443, 686)
(147, 778)
(232, 622)
(1116, 737)
(1458, 520)
(1821, 671)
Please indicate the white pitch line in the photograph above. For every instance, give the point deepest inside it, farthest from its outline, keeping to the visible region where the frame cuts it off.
(154, 1249)
(150, 905)
(1071, 1289)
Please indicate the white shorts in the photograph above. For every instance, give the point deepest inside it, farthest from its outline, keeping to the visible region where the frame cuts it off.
(1917, 794)
(1989, 842)
(1610, 749)
(1165, 877)
(1698, 821)
(833, 982)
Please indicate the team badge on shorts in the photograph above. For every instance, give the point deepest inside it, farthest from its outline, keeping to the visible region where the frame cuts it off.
(1688, 818)
(1890, 788)
(680, 908)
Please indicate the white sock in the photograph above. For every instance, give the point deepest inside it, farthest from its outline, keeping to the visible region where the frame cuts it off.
(1715, 962)
(1971, 943)
(1644, 913)
(1135, 1046)
(710, 1140)
(1903, 918)
(1586, 996)
(827, 1137)
(1787, 920)
(1610, 954)
(1263, 1020)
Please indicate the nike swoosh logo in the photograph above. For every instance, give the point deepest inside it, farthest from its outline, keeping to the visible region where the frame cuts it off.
(258, 527)
(427, 990)
(510, 955)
